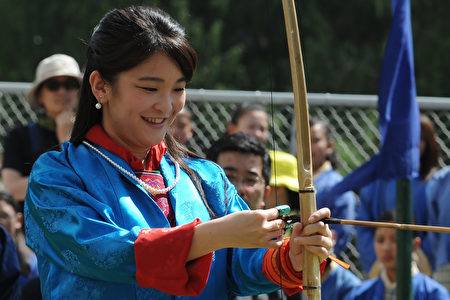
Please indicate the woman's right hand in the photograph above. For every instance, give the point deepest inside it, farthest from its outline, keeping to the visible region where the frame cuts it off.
(243, 229)
(253, 229)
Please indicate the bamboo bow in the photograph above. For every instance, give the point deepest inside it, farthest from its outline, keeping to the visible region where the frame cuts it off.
(311, 263)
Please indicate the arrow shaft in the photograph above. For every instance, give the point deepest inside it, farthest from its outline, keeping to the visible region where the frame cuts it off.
(293, 218)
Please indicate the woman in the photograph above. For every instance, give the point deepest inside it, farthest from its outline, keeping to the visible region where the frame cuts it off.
(384, 286)
(55, 94)
(380, 196)
(124, 211)
(438, 191)
(435, 210)
(325, 165)
(250, 118)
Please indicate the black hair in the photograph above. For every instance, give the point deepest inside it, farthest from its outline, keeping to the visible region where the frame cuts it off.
(123, 39)
(390, 216)
(333, 157)
(244, 108)
(243, 143)
(429, 159)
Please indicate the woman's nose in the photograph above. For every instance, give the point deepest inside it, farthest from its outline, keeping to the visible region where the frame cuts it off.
(164, 103)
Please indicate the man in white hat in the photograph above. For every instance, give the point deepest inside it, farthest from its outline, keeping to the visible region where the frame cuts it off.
(55, 95)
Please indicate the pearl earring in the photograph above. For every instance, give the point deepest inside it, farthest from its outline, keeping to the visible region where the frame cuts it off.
(98, 105)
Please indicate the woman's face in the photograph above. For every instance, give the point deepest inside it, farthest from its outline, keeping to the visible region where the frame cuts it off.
(321, 147)
(58, 94)
(386, 247)
(255, 123)
(143, 102)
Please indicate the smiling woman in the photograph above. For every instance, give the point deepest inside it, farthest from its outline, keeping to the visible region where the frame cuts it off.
(126, 212)
(138, 112)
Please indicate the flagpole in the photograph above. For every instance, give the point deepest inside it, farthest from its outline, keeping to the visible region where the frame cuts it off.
(404, 240)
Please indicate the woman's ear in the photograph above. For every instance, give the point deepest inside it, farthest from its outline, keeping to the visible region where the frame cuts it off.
(99, 87)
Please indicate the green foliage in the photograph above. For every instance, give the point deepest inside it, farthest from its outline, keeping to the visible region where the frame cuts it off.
(242, 44)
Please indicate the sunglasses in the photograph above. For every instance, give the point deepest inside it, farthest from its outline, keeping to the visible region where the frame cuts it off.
(68, 85)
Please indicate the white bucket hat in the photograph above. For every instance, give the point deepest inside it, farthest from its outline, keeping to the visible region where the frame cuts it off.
(53, 66)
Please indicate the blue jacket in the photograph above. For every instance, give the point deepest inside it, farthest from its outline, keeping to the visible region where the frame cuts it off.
(9, 267)
(83, 217)
(341, 207)
(377, 198)
(338, 284)
(424, 288)
(438, 203)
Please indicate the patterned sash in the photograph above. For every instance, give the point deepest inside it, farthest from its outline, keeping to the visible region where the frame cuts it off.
(155, 180)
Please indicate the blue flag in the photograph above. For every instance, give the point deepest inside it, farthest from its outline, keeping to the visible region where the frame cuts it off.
(399, 156)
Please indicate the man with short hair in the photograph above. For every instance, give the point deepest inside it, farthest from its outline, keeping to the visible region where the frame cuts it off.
(246, 162)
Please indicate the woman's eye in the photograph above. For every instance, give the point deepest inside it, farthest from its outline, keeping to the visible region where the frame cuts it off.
(150, 89)
(179, 89)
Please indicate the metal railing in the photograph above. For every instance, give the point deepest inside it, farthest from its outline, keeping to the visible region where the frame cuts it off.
(354, 118)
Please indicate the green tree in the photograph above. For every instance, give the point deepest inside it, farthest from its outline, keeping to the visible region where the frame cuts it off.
(242, 44)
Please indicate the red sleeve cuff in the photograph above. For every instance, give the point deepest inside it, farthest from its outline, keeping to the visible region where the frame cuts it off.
(277, 268)
(161, 256)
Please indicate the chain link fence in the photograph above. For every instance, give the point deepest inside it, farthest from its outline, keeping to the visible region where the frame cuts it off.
(354, 120)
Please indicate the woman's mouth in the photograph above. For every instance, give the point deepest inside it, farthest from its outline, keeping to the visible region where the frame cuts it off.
(153, 120)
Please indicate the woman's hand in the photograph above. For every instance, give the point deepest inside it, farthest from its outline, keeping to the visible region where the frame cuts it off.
(254, 229)
(243, 229)
(316, 237)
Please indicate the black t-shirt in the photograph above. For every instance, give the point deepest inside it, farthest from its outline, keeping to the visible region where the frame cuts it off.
(23, 145)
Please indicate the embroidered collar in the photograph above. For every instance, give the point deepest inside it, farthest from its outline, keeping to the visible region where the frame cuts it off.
(98, 136)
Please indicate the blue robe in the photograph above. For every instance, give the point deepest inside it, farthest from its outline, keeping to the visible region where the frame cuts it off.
(9, 267)
(438, 203)
(83, 216)
(424, 288)
(338, 284)
(342, 207)
(377, 198)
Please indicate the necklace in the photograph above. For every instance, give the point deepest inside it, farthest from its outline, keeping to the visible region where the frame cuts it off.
(146, 186)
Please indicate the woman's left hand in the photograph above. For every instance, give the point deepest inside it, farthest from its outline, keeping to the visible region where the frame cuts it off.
(315, 237)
